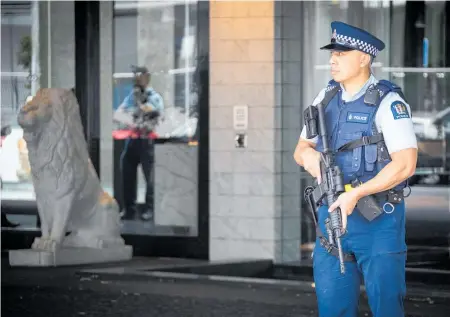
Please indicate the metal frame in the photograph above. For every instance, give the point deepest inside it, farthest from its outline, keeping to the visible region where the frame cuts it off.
(87, 70)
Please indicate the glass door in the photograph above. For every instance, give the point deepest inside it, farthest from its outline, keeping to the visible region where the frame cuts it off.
(153, 170)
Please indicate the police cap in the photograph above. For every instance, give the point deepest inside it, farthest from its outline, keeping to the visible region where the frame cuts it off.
(346, 37)
(139, 70)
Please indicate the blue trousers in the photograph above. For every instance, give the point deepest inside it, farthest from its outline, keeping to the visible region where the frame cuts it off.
(380, 250)
(135, 152)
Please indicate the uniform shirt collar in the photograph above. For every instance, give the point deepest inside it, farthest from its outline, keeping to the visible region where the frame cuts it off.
(346, 96)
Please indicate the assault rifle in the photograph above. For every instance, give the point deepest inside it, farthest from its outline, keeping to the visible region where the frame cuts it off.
(144, 121)
(331, 185)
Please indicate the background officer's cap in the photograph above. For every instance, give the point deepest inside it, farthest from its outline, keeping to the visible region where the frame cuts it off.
(346, 37)
(139, 70)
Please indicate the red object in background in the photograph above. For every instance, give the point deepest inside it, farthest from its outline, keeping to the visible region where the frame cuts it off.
(2, 140)
(126, 134)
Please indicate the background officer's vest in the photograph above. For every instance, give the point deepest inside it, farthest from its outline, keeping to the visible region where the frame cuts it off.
(349, 121)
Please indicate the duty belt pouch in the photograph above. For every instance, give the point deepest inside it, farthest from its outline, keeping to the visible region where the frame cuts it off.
(368, 206)
(394, 197)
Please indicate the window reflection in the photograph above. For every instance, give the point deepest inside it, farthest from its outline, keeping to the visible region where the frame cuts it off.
(155, 159)
(162, 37)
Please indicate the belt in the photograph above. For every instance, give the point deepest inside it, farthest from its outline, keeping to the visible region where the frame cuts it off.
(393, 196)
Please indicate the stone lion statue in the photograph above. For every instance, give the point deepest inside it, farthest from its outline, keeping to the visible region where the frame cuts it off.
(69, 196)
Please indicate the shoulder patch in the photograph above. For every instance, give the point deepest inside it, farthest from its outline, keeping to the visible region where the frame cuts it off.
(399, 110)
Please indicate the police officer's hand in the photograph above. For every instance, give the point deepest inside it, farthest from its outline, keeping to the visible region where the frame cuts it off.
(146, 108)
(346, 202)
(312, 163)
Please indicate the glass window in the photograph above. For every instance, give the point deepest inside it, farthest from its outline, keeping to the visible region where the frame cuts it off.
(318, 17)
(155, 116)
(31, 57)
(162, 38)
(18, 63)
(417, 58)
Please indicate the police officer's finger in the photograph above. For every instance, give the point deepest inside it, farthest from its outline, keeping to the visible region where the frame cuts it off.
(344, 219)
(311, 169)
(318, 175)
(334, 205)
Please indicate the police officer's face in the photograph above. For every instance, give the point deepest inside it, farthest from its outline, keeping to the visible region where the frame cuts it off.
(144, 80)
(347, 65)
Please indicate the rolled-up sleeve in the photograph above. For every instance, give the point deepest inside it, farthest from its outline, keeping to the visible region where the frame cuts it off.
(157, 101)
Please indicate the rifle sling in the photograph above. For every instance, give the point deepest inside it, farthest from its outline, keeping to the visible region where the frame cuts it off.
(365, 140)
(348, 257)
(329, 94)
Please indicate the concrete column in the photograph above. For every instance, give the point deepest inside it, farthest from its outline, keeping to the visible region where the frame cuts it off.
(245, 194)
(288, 95)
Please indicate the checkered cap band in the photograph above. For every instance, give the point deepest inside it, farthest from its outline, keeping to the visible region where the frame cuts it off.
(357, 44)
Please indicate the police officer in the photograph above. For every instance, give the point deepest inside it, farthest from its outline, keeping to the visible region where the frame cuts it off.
(371, 133)
(142, 100)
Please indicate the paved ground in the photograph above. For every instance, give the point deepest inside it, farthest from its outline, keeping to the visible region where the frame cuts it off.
(47, 302)
(62, 292)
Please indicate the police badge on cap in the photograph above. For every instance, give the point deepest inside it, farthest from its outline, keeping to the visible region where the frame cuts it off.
(346, 37)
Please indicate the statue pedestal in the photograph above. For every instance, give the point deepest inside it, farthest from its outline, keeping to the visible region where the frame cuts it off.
(69, 256)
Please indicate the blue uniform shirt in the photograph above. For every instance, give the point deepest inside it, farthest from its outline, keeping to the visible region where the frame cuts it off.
(154, 99)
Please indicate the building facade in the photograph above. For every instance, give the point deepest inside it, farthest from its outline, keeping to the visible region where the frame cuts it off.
(228, 72)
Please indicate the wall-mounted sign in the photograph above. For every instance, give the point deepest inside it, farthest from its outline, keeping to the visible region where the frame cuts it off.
(240, 117)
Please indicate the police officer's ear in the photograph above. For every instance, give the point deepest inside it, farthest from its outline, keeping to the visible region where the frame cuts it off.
(365, 60)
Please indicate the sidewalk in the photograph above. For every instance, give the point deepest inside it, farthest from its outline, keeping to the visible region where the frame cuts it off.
(64, 292)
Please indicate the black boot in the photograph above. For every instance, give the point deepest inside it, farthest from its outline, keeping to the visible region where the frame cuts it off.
(147, 213)
(128, 213)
